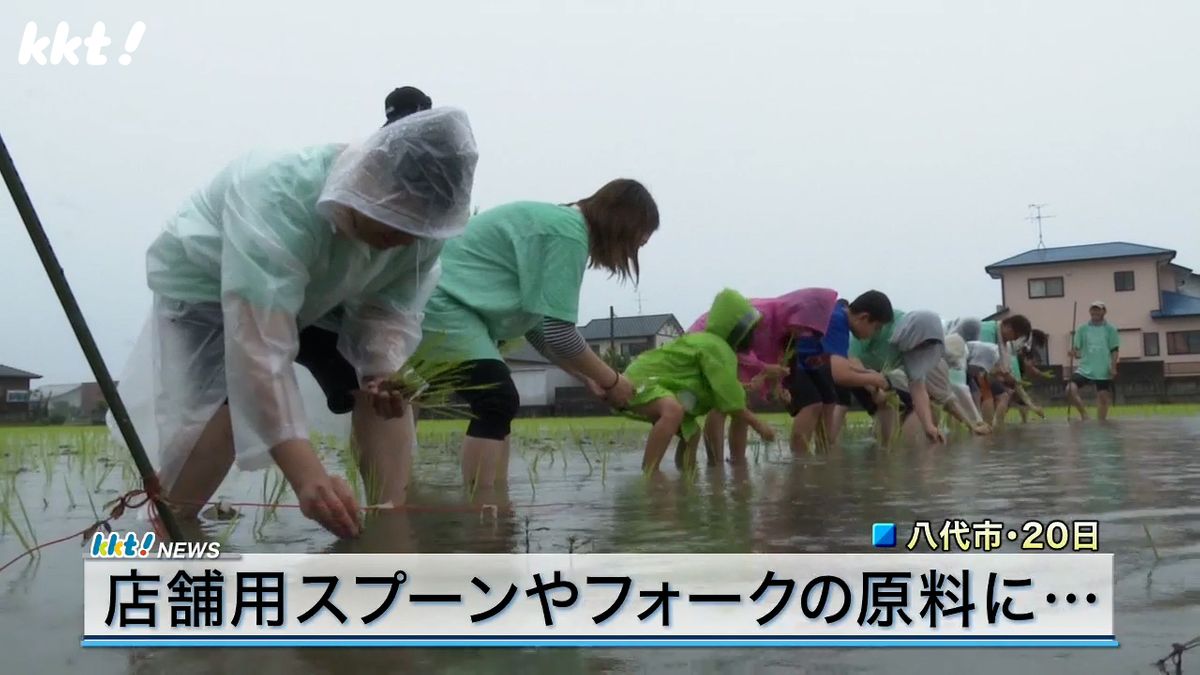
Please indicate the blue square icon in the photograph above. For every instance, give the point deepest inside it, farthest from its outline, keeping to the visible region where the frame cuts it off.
(883, 535)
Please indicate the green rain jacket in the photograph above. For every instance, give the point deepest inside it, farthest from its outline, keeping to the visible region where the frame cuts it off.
(700, 370)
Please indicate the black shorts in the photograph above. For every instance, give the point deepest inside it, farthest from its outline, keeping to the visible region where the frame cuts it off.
(201, 327)
(338, 380)
(810, 387)
(488, 389)
(1081, 381)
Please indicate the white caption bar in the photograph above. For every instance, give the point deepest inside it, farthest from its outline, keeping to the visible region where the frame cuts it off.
(593, 599)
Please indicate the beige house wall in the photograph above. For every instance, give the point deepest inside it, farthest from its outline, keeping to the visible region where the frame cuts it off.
(1087, 281)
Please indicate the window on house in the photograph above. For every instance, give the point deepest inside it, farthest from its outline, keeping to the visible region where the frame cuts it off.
(635, 348)
(1048, 287)
(16, 396)
(1183, 342)
(1123, 281)
(1150, 344)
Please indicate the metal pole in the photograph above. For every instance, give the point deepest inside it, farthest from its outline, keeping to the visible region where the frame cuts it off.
(1071, 355)
(612, 334)
(57, 279)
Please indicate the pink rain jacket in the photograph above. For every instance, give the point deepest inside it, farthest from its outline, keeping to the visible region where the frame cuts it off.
(789, 316)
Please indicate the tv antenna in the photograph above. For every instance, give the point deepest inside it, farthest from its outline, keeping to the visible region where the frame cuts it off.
(638, 292)
(1036, 215)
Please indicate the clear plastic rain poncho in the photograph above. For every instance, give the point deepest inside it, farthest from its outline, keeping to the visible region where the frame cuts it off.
(969, 328)
(956, 359)
(264, 251)
(983, 355)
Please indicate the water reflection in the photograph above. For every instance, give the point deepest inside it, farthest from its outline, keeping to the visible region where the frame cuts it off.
(1137, 477)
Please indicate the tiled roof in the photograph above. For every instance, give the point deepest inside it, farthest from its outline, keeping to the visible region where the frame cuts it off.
(6, 371)
(1061, 254)
(625, 327)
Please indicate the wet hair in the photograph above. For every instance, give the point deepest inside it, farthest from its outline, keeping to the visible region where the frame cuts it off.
(875, 305)
(1019, 325)
(619, 217)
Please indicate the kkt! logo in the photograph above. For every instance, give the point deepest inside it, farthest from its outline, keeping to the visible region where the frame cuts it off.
(113, 545)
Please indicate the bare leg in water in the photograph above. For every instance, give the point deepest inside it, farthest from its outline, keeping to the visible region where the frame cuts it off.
(383, 447)
(667, 417)
(804, 425)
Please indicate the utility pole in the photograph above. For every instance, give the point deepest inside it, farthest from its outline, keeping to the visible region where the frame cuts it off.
(612, 331)
(1036, 216)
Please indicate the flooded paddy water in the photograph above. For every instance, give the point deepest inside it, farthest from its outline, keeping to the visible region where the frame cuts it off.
(577, 486)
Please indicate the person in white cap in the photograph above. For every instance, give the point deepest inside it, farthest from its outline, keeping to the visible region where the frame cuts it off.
(1096, 348)
(323, 257)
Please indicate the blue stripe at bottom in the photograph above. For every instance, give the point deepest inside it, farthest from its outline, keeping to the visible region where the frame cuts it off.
(600, 643)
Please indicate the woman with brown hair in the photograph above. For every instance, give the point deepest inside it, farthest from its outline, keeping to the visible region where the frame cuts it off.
(515, 272)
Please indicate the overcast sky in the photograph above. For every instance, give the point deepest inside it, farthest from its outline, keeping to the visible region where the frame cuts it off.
(854, 145)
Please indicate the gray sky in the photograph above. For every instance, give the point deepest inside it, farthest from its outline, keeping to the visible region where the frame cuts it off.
(845, 144)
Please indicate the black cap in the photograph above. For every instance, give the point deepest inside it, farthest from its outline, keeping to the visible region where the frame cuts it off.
(405, 101)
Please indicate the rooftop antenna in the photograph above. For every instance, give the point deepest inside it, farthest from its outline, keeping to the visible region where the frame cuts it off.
(638, 291)
(1037, 216)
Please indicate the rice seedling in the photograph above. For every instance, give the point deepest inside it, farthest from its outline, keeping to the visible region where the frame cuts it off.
(532, 481)
(28, 537)
(279, 489)
(587, 460)
(1150, 539)
(432, 384)
(25, 515)
(6, 516)
(227, 533)
(351, 469)
(92, 504)
(48, 461)
(70, 496)
(104, 476)
(534, 465)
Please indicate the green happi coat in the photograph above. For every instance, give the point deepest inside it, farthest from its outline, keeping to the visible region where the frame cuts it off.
(700, 370)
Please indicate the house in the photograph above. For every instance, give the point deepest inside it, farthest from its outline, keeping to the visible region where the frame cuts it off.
(631, 335)
(1153, 302)
(81, 401)
(14, 392)
(537, 379)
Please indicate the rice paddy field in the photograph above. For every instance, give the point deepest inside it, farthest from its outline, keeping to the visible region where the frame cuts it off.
(576, 485)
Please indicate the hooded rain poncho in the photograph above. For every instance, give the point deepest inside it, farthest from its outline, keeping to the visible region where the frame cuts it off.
(700, 370)
(982, 355)
(801, 312)
(263, 252)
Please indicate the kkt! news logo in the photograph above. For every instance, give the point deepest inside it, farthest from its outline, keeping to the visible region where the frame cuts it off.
(131, 545)
(113, 545)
